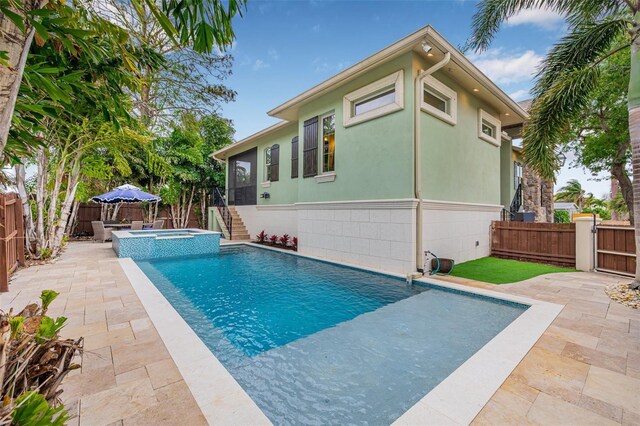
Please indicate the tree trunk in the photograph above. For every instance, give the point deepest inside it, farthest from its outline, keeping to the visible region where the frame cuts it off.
(41, 193)
(626, 187)
(71, 225)
(29, 226)
(634, 133)
(65, 210)
(16, 43)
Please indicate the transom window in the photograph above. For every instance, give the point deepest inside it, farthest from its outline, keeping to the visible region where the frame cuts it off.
(488, 127)
(328, 143)
(374, 100)
(439, 100)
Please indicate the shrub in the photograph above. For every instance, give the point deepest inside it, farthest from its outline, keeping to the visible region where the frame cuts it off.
(262, 236)
(35, 361)
(284, 240)
(560, 216)
(273, 239)
(294, 243)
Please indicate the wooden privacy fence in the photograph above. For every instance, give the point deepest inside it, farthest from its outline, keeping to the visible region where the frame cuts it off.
(616, 250)
(11, 237)
(91, 211)
(553, 243)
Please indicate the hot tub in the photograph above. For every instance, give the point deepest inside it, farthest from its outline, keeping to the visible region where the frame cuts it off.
(160, 243)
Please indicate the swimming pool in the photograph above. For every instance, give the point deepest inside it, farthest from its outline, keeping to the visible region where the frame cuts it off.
(315, 343)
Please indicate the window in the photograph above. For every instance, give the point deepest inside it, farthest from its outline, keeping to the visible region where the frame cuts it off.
(488, 127)
(517, 174)
(374, 100)
(294, 157)
(328, 143)
(439, 100)
(267, 164)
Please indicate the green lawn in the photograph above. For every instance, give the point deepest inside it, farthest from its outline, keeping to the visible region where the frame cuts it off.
(503, 271)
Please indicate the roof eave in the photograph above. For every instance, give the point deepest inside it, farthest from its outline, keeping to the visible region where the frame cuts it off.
(220, 154)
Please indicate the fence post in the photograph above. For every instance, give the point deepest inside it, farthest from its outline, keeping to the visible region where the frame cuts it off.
(4, 267)
(585, 243)
(21, 231)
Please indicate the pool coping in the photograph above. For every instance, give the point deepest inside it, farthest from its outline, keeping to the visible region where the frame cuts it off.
(456, 400)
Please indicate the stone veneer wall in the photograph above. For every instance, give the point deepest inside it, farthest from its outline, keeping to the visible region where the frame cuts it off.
(537, 195)
(374, 234)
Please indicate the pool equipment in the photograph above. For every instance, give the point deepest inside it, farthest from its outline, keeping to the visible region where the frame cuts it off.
(439, 265)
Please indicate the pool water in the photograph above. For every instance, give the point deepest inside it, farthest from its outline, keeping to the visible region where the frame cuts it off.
(316, 343)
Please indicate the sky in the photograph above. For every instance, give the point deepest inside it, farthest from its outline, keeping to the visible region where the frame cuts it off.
(285, 47)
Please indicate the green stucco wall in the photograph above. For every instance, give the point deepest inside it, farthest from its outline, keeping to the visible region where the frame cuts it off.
(456, 164)
(374, 159)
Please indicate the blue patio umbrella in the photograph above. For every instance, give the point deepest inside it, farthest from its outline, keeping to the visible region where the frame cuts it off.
(125, 194)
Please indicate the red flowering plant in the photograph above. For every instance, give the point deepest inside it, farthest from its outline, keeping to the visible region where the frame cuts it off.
(262, 237)
(294, 243)
(273, 239)
(284, 240)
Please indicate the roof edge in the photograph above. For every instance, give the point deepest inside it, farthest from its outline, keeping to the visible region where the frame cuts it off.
(353, 70)
(264, 132)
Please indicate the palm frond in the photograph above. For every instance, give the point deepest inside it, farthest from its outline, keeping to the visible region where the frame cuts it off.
(551, 113)
(583, 46)
(492, 13)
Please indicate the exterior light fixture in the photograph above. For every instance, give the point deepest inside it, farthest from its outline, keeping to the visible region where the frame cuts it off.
(426, 47)
(561, 158)
(476, 89)
(507, 114)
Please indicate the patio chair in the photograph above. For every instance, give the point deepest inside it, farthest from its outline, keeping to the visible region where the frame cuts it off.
(136, 225)
(158, 224)
(100, 233)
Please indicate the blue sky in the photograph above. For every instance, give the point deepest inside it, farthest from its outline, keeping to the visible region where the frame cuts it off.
(286, 47)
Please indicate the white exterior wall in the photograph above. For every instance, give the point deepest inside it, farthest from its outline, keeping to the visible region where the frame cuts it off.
(376, 234)
(276, 219)
(451, 230)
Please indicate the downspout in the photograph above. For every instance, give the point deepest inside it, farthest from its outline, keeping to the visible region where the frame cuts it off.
(417, 168)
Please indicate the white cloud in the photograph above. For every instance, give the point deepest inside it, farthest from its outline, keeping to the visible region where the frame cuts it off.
(505, 68)
(315, 28)
(542, 18)
(322, 65)
(273, 54)
(520, 95)
(259, 64)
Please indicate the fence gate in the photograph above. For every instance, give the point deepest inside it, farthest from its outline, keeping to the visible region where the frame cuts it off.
(615, 250)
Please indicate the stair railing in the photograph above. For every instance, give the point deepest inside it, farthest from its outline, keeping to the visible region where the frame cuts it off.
(219, 202)
(516, 203)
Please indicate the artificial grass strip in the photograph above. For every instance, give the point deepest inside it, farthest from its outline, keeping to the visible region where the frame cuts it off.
(503, 271)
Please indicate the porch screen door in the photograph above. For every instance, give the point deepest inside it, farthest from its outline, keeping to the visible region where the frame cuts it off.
(242, 177)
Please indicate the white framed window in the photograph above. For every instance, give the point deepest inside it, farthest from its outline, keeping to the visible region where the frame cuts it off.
(374, 100)
(328, 139)
(489, 127)
(267, 164)
(439, 100)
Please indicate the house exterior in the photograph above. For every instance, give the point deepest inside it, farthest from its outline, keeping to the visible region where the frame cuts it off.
(401, 153)
(536, 192)
(570, 208)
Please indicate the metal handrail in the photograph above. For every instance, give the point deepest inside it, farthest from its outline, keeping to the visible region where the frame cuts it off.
(516, 203)
(219, 202)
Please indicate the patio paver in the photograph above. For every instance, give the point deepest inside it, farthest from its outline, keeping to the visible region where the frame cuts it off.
(127, 375)
(585, 369)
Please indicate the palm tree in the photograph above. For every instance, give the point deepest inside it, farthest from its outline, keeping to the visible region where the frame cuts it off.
(573, 192)
(200, 24)
(597, 29)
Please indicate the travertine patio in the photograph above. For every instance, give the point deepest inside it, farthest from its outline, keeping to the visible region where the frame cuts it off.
(585, 369)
